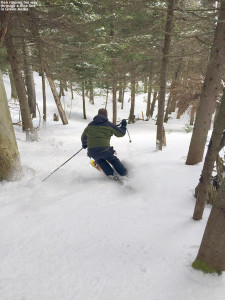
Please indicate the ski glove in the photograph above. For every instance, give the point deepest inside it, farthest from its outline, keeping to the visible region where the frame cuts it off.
(84, 146)
(124, 123)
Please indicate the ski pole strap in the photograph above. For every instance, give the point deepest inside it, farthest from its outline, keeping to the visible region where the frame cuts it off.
(62, 165)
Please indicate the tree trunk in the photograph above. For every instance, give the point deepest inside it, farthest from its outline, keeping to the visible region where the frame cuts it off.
(149, 97)
(172, 101)
(123, 92)
(55, 95)
(114, 91)
(61, 89)
(87, 91)
(44, 97)
(113, 67)
(153, 104)
(210, 159)
(10, 167)
(178, 114)
(209, 92)
(4, 20)
(83, 97)
(192, 113)
(91, 93)
(132, 116)
(172, 106)
(29, 79)
(165, 61)
(47, 70)
(107, 97)
(65, 86)
(71, 89)
(120, 92)
(13, 86)
(137, 86)
(166, 118)
(146, 85)
(21, 92)
(164, 137)
(211, 255)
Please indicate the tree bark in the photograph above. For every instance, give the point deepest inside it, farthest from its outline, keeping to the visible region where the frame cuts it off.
(91, 93)
(163, 73)
(209, 93)
(29, 79)
(149, 89)
(55, 95)
(120, 92)
(61, 89)
(44, 97)
(87, 91)
(10, 166)
(107, 97)
(146, 85)
(132, 116)
(65, 86)
(83, 97)
(114, 70)
(4, 20)
(123, 92)
(178, 114)
(13, 86)
(71, 89)
(211, 255)
(21, 92)
(213, 149)
(193, 112)
(166, 118)
(171, 105)
(153, 103)
(114, 92)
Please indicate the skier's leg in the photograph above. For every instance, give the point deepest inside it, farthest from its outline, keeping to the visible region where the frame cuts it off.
(117, 165)
(106, 168)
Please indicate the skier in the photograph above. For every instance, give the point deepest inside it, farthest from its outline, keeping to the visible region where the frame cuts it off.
(96, 137)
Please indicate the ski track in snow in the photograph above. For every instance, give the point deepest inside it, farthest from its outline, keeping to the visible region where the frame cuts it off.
(79, 236)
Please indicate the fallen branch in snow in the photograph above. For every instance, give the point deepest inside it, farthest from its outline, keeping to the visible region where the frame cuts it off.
(18, 123)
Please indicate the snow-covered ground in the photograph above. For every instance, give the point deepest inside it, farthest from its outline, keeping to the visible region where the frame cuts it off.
(80, 236)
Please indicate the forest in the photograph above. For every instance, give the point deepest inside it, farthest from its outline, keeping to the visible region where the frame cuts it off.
(159, 65)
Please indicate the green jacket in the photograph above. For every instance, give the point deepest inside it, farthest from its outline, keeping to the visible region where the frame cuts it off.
(98, 133)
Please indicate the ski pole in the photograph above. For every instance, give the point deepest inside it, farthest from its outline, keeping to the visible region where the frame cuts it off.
(62, 164)
(129, 136)
(127, 132)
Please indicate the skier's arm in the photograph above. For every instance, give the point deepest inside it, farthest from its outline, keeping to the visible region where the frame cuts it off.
(119, 131)
(84, 138)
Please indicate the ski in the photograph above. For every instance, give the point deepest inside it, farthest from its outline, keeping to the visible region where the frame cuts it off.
(111, 177)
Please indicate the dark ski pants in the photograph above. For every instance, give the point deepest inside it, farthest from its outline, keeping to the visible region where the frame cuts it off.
(107, 158)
